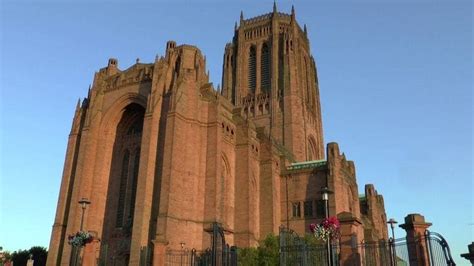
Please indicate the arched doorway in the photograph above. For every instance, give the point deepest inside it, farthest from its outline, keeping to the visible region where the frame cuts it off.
(122, 187)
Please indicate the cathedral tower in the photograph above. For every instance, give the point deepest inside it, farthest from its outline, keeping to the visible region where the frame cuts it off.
(269, 72)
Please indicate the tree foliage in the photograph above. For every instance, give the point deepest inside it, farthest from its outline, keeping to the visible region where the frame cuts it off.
(39, 255)
(266, 254)
(20, 257)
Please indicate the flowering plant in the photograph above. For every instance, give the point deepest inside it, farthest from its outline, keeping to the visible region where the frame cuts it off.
(327, 229)
(79, 239)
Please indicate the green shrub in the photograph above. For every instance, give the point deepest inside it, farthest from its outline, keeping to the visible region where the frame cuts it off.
(266, 254)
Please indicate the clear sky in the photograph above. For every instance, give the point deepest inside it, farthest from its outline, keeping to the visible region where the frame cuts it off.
(395, 81)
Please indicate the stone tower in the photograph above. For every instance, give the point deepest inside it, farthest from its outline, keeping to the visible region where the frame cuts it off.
(270, 73)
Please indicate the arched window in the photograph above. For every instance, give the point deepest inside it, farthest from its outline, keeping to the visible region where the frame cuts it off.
(252, 78)
(136, 164)
(122, 189)
(308, 93)
(265, 68)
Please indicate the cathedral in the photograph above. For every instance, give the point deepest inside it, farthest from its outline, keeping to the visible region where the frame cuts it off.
(161, 154)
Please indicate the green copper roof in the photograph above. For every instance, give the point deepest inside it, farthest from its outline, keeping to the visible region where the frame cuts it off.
(306, 165)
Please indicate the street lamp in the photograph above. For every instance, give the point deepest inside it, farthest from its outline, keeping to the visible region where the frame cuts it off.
(182, 251)
(392, 224)
(325, 196)
(84, 202)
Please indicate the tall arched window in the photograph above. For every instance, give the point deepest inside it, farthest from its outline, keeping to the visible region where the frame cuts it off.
(265, 68)
(252, 78)
(305, 80)
(122, 189)
(136, 164)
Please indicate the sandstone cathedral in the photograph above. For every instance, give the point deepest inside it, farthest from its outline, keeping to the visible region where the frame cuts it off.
(161, 154)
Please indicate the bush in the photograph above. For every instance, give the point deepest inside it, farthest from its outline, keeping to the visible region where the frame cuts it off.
(266, 254)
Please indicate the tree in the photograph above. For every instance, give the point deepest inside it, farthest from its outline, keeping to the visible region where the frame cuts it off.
(20, 257)
(39, 255)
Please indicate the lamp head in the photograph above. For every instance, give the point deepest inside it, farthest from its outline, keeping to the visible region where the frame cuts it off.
(84, 202)
(325, 193)
(392, 222)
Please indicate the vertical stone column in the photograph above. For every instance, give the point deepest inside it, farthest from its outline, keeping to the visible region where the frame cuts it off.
(349, 252)
(415, 226)
(90, 254)
(159, 253)
(145, 186)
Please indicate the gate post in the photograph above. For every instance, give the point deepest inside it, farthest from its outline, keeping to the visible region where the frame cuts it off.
(349, 250)
(233, 256)
(415, 226)
(469, 256)
(159, 253)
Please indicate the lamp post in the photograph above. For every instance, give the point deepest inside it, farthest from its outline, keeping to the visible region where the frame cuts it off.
(84, 202)
(182, 251)
(325, 196)
(392, 223)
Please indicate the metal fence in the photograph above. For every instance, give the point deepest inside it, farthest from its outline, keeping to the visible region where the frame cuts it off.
(219, 253)
(430, 249)
(193, 257)
(108, 258)
(294, 250)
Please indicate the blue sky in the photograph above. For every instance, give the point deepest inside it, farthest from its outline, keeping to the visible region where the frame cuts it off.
(395, 81)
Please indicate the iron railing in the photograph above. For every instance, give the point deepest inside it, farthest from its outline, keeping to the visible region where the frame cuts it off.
(219, 253)
(430, 249)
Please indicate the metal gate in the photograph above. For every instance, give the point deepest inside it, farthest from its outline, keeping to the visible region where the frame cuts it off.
(219, 253)
(431, 249)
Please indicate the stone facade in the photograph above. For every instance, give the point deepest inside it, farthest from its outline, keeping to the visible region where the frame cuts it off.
(161, 154)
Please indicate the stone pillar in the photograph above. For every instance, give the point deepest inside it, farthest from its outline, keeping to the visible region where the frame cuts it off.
(159, 253)
(91, 252)
(349, 252)
(415, 226)
(469, 256)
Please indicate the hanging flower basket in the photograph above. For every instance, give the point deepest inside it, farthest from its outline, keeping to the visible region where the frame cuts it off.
(80, 239)
(328, 229)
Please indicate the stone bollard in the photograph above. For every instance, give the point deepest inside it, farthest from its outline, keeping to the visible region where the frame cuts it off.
(349, 250)
(415, 226)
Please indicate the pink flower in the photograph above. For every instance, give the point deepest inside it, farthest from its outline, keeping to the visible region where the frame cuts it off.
(312, 227)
